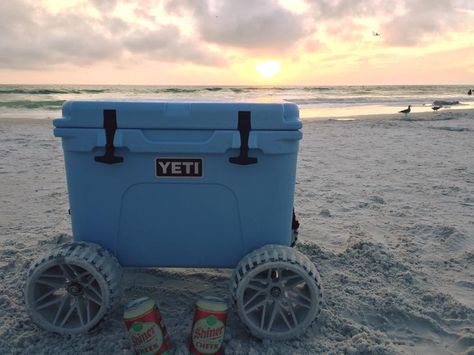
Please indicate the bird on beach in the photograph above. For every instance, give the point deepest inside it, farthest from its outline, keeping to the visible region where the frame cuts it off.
(436, 108)
(469, 92)
(406, 111)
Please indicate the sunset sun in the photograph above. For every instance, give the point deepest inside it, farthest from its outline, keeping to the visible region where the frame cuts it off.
(268, 69)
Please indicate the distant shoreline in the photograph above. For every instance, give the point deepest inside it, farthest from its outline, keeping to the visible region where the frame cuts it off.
(391, 116)
(413, 116)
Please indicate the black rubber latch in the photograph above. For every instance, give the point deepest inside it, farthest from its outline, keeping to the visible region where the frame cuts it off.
(295, 225)
(110, 126)
(244, 128)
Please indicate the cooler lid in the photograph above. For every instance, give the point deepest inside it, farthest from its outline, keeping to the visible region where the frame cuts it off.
(179, 115)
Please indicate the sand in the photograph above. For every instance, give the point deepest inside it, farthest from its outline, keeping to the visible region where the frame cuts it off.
(386, 206)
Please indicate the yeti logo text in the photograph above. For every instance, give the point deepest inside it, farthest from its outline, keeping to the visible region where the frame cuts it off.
(188, 167)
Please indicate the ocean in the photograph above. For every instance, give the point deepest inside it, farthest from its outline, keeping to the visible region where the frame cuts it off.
(315, 102)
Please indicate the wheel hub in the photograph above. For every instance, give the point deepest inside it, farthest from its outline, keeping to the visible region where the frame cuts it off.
(75, 289)
(275, 292)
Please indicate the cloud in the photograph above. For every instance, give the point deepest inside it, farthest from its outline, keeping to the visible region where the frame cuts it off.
(33, 38)
(403, 22)
(104, 4)
(257, 25)
(167, 44)
(422, 18)
(311, 45)
(340, 9)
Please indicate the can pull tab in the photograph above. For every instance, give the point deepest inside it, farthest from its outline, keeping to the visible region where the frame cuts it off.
(110, 126)
(244, 128)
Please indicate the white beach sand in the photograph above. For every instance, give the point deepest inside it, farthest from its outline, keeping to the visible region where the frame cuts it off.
(386, 207)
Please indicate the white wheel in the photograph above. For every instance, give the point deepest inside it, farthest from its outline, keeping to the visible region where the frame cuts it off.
(277, 292)
(70, 289)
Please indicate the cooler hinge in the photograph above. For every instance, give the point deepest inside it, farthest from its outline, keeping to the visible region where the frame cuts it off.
(110, 126)
(244, 128)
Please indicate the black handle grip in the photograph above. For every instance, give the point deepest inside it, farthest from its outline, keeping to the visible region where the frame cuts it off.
(110, 126)
(244, 127)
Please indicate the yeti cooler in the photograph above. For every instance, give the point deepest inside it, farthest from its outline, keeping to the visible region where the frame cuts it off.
(180, 184)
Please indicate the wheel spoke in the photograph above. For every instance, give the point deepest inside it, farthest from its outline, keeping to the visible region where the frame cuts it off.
(68, 314)
(298, 298)
(258, 282)
(61, 308)
(252, 298)
(257, 285)
(76, 270)
(68, 273)
(281, 310)
(92, 297)
(46, 295)
(79, 308)
(88, 280)
(292, 281)
(88, 311)
(264, 312)
(255, 306)
(50, 283)
(96, 292)
(255, 288)
(300, 303)
(48, 304)
(84, 274)
(274, 311)
(55, 276)
(292, 312)
(269, 274)
(301, 295)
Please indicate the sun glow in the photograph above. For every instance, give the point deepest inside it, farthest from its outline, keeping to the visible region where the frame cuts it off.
(268, 69)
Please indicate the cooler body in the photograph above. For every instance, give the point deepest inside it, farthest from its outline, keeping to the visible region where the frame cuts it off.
(180, 184)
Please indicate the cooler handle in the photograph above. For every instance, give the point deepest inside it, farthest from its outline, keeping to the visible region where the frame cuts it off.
(244, 128)
(110, 126)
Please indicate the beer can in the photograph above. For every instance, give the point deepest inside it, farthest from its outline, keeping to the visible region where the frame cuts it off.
(146, 327)
(207, 334)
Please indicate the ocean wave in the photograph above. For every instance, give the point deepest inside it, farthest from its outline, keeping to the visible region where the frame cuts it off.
(317, 88)
(5, 91)
(33, 91)
(91, 91)
(28, 104)
(176, 90)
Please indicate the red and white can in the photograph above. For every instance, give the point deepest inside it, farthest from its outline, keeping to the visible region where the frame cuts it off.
(207, 335)
(146, 327)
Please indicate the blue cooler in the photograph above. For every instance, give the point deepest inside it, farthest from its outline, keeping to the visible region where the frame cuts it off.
(180, 184)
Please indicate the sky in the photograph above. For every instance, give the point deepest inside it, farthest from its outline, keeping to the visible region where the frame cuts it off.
(237, 42)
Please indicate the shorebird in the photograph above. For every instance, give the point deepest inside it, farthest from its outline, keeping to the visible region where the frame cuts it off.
(376, 34)
(436, 108)
(469, 92)
(406, 111)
